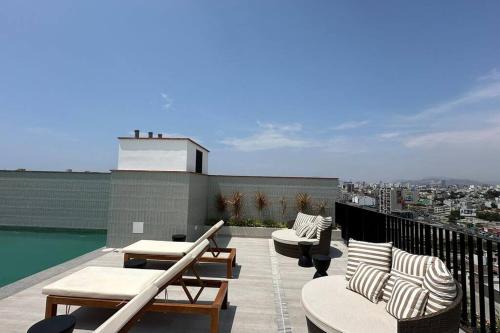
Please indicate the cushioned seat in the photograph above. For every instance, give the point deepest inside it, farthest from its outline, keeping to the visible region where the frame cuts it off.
(154, 247)
(288, 236)
(104, 283)
(333, 308)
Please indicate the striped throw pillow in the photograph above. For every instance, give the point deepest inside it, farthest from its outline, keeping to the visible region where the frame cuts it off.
(302, 230)
(368, 281)
(302, 219)
(408, 267)
(322, 223)
(441, 285)
(376, 254)
(395, 275)
(407, 300)
(313, 227)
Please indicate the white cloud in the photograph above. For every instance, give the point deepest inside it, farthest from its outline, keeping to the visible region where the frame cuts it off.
(488, 136)
(351, 125)
(491, 75)
(271, 136)
(389, 135)
(167, 101)
(478, 95)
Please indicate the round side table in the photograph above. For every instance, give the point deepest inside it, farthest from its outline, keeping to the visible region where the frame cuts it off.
(135, 263)
(305, 258)
(57, 324)
(179, 238)
(321, 263)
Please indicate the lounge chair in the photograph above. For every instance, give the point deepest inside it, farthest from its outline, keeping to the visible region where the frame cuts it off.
(110, 287)
(167, 250)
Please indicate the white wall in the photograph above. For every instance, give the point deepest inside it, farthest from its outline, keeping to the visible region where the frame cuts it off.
(191, 157)
(152, 155)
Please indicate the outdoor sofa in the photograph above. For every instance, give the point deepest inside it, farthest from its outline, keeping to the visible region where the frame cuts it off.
(286, 241)
(111, 287)
(331, 307)
(173, 251)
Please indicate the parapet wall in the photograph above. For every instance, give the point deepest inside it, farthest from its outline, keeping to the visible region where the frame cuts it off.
(54, 199)
(166, 202)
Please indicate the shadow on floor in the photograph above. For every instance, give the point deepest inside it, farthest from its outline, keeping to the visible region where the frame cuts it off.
(91, 318)
(335, 253)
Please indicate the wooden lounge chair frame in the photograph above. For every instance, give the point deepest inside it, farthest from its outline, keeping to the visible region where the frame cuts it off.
(213, 248)
(158, 305)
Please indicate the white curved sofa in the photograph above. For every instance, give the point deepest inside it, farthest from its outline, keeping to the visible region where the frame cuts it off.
(331, 308)
(343, 310)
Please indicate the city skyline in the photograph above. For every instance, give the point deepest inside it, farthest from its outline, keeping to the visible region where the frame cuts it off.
(380, 91)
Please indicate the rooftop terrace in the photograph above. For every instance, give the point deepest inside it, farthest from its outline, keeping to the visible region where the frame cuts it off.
(264, 296)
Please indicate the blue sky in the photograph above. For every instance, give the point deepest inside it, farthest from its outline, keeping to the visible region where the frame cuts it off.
(358, 90)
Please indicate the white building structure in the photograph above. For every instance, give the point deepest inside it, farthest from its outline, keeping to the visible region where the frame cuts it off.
(161, 154)
(364, 200)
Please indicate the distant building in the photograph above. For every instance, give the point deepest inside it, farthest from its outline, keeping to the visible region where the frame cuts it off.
(442, 210)
(348, 187)
(161, 154)
(467, 212)
(390, 199)
(364, 200)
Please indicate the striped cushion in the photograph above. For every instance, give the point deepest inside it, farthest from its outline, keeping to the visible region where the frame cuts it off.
(313, 227)
(411, 264)
(442, 288)
(375, 254)
(395, 275)
(407, 300)
(409, 267)
(302, 219)
(368, 281)
(302, 229)
(322, 224)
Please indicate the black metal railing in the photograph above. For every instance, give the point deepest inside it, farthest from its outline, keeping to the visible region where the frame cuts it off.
(471, 257)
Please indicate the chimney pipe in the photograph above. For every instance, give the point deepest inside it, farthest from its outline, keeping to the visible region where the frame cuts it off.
(136, 134)
(160, 135)
(150, 135)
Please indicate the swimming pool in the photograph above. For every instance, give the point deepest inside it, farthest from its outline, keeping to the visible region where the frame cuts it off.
(28, 251)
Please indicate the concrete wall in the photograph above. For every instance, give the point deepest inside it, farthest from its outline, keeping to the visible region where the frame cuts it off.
(198, 206)
(154, 154)
(54, 199)
(275, 188)
(159, 199)
(165, 202)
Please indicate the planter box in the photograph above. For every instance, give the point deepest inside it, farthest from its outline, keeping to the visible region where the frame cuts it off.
(257, 232)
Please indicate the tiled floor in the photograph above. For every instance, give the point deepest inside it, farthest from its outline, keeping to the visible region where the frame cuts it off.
(265, 296)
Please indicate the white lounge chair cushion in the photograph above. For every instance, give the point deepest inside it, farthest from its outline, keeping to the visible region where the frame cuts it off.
(288, 236)
(333, 308)
(122, 316)
(180, 265)
(169, 248)
(104, 282)
(162, 248)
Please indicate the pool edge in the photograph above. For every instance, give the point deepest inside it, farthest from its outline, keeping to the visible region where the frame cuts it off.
(29, 281)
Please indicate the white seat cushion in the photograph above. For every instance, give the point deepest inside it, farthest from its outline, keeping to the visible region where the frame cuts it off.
(330, 306)
(163, 248)
(104, 283)
(288, 236)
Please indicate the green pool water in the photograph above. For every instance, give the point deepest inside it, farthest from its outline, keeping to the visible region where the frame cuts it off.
(27, 251)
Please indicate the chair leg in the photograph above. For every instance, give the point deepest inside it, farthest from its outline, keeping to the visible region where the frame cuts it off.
(214, 321)
(234, 261)
(229, 270)
(50, 309)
